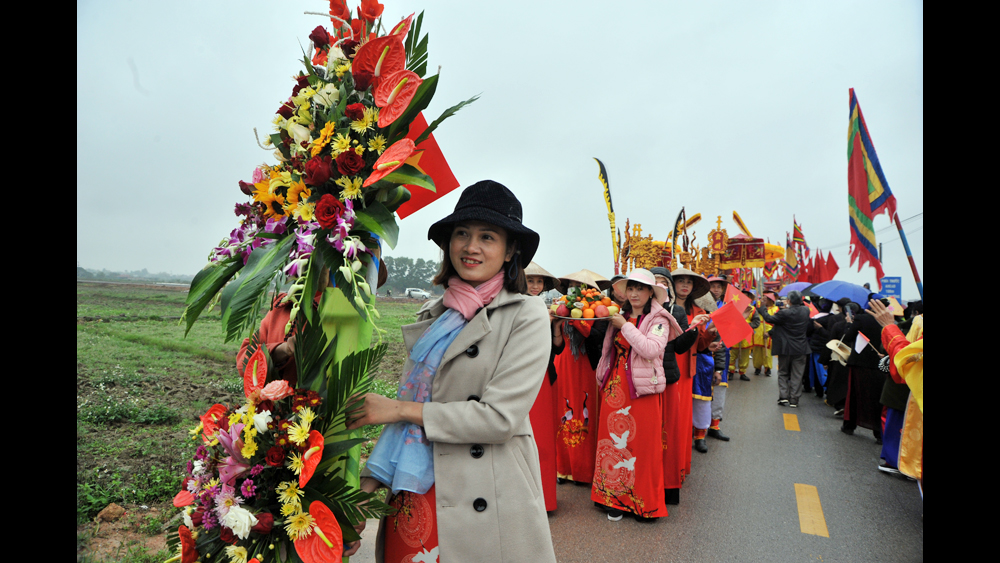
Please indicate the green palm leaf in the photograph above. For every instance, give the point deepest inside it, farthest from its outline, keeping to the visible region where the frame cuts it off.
(205, 285)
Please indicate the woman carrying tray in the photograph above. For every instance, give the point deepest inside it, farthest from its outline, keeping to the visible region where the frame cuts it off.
(577, 403)
(629, 466)
(457, 451)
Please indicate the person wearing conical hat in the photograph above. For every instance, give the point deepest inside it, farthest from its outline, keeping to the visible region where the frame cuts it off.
(698, 366)
(576, 391)
(542, 414)
(673, 456)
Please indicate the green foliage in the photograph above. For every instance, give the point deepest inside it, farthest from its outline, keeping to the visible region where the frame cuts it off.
(243, 299)
(405, 272)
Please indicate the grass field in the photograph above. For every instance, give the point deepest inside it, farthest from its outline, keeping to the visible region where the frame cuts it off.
(141, 386)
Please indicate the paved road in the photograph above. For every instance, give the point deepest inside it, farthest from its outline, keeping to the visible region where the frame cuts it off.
(741, 501)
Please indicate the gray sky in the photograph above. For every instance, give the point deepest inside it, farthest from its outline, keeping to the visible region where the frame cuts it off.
(715, 106)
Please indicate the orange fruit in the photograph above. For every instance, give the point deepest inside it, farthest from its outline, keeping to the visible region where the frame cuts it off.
(606, 301)
(588, 313)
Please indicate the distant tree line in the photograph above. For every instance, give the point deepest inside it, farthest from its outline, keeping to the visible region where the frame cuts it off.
(142, 275)
(405, 272)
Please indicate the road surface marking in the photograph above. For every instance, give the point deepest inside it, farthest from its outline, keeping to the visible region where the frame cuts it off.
(791, 422)
(811, 520)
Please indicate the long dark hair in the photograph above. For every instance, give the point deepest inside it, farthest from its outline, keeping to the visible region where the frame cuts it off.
(514, 279)
(627, 307)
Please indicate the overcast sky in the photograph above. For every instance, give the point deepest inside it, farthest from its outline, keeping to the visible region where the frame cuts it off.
(715, 107)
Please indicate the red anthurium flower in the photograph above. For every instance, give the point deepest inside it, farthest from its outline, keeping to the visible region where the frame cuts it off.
(391, 159)
(379, 57)
(403, 27)
(255, 373)
(210, 421)
(183, 499)
(188, 552)
(326, 543)
(311, 457)
(370, 10)
(393, 95)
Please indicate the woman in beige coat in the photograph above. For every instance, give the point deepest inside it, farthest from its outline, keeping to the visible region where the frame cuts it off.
(486, 490)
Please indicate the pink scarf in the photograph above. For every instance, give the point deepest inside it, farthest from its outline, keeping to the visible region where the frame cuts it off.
(467, 300)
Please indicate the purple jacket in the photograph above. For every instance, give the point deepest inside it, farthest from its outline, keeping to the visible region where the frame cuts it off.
(646, 356)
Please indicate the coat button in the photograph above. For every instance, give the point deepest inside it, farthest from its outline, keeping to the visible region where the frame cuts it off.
(473, 398)
(472, 351)
(476, 451)
(479, 504)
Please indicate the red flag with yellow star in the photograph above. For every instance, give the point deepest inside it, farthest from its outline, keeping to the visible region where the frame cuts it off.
(733, 328)
(430, 160)
(737, 298)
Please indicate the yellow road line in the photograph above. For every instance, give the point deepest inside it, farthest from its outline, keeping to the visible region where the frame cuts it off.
(811, 520)
(791, 422)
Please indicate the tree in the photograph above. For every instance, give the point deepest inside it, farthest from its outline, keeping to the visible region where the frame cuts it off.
(404, 272)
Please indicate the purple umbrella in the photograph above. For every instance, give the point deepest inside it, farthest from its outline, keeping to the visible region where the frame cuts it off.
(797, 286)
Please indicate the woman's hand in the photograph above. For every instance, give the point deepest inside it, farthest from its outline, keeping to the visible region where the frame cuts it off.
(368, 485)
(618, 320)
(699, 319)
(881, 313)
(377, 409)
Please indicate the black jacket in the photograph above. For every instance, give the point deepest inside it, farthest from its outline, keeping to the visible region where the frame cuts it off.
(788, 337)
(679, 345)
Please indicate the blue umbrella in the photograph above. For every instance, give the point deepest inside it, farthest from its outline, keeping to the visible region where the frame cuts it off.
(836, 289)
(797, 286)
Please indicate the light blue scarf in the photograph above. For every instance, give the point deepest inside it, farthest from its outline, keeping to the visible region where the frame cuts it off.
(403, 457)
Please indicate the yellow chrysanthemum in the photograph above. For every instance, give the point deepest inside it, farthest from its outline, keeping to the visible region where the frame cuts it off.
(213, 483)
(196, 431)
(299, 526)
(377, 144)
(352, 187)
(236, 553)
(325, 135)
(341, 69)
(289, 492)
(371, 116)
(307, 415)
(298, 433)
(360, 150)
(290, 508)
(295, 463)
(340, 144)
(234, 418)
(279, 123)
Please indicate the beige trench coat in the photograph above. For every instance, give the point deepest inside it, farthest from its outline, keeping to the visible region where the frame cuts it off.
(488, 483)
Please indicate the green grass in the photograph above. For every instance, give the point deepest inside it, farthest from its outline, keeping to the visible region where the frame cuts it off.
(141, 385)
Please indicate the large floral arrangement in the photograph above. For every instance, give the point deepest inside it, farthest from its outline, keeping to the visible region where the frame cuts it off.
(276, 477)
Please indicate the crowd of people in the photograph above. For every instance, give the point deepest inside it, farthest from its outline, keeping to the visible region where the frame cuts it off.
(660, 364)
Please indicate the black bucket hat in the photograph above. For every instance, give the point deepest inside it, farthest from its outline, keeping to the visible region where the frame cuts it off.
(490, 202)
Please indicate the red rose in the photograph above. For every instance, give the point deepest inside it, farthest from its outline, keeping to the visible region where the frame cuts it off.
(349, 163)
(328, 210)
(370, 10)
(265, 521)
(275, 456)
(347, 47)
(354, 112)
(286, 110)
(197, 515)
(319, 36)
(318, 170)
(227, 536)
